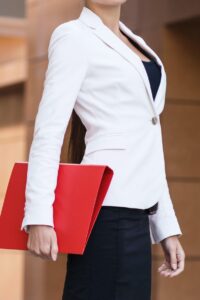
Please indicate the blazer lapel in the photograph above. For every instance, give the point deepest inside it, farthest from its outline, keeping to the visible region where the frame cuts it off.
(141, 69)
(111, 39)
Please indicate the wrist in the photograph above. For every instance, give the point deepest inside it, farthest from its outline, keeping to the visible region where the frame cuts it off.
(171, 237)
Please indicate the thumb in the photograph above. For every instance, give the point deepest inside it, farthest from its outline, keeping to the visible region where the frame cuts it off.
(54, 248)
(173, 260)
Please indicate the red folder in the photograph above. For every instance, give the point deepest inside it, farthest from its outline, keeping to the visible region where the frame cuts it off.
(79, 194)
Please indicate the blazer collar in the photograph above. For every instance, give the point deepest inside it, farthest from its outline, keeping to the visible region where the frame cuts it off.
(103, 32)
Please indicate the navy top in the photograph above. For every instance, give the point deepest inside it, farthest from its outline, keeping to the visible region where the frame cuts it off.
(154, 73)
(152, 68)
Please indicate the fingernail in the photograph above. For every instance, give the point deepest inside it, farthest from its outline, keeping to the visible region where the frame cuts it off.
(54, 257)
(174, 266)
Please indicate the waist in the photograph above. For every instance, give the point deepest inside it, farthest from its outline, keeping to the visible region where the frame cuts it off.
(144, 138)
(149, 211)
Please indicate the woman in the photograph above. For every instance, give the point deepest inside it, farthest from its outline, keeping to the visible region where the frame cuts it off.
(116, 85)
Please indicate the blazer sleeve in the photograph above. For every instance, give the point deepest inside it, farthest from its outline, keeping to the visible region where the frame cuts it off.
(164, 222)
(67, 67)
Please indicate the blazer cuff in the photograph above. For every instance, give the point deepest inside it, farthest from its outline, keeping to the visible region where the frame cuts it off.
(39, 216)
(163, 227)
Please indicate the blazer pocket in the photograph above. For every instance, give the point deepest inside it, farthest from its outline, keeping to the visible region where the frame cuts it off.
(112, 141)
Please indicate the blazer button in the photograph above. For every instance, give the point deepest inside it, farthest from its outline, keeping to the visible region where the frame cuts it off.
(154, 120)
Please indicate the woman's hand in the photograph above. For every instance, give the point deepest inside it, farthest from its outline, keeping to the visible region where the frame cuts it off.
(174, 257)
(42, 241)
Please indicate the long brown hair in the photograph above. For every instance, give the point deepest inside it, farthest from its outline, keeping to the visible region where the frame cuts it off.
(74, 145)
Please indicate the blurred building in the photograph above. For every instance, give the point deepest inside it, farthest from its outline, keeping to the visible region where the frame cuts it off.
(172, 29)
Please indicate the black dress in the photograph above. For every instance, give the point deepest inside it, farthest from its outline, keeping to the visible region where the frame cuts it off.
(116, 263)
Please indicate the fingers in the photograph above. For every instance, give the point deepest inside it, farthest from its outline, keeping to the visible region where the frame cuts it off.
(38, 253)
(165, 269)
(54, 247)
(43, 251)
(180, 264)
(175, 258)
(43, 244)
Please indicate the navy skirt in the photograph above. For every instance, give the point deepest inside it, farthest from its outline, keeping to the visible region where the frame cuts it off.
(116, 263)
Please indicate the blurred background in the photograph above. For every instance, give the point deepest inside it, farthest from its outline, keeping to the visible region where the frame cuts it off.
(172, 29)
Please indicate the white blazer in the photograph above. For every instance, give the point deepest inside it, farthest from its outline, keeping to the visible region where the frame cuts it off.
(93, 71)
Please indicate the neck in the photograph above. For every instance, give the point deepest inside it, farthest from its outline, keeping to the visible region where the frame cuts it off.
(110, 15)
